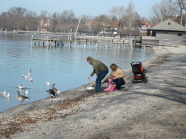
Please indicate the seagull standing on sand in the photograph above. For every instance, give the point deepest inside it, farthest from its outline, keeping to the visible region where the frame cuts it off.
(21, 98)
(58, 92)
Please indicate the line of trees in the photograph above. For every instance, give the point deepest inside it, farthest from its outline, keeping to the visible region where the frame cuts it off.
(18, 18)
(168, 9)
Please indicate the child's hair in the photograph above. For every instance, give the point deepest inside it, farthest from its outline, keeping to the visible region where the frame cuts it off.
(113, 67)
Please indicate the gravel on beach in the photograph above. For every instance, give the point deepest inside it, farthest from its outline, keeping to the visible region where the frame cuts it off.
(156, 109)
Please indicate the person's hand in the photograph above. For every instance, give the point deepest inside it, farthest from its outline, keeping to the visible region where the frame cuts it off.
(114, 78)
(89, 77)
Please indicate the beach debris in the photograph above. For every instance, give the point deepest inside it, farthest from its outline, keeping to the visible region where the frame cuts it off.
(90, 88)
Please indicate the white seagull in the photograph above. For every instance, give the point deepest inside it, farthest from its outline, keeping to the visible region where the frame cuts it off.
(58, 92)
(29, 73)
(3, 93)
(6, 95)
(26, 92)
(29, 77)
(21, 86)
(47, 83)
(53, 88)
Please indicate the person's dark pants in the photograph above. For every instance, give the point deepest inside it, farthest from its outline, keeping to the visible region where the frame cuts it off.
(119, 82)
(99, 78)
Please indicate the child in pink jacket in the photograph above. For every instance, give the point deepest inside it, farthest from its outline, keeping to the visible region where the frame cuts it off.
(111, 85)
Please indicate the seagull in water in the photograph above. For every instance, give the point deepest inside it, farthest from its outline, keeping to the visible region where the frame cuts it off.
(6, 95)
(21, 86)
(26, 92)
(29, 77)
(47, 83)
(21, 98)
(3, 93)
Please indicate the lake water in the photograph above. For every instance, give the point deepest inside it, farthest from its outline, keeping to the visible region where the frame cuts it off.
(63, 65)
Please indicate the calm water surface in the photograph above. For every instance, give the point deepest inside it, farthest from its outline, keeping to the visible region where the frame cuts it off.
(63, 65)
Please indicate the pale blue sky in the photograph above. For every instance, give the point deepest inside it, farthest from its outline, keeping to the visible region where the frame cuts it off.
(80, 7)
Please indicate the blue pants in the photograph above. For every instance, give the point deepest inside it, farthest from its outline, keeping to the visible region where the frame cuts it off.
(99, 78)
(119, 82)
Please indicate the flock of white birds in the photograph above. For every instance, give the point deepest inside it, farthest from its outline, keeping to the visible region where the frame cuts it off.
(53, 92)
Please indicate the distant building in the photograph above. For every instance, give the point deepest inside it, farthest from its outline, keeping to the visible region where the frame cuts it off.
(45, 25)
(168, 33)
(143, 25)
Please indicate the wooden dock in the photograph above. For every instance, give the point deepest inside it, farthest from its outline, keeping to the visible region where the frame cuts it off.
(59, 41)
(46, 41)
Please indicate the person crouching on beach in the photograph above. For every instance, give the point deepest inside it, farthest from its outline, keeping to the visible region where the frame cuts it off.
(100, 69)
(118, 76)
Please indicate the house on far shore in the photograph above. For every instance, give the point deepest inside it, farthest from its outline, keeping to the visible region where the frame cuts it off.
(143, 25)
(168, 33)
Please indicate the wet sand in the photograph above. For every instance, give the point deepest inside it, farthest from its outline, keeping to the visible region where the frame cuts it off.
(156, 109)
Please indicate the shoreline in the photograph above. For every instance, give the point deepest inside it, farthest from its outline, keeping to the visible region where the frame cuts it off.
(71, 108)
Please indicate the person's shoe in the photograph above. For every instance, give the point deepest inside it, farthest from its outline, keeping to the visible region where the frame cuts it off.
(118, 89)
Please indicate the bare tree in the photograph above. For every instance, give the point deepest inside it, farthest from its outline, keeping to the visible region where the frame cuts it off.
(130, 16)
(118, 13)
(67, 16)
(182, 6)
(18, 15)
(162, 11)
(31, 20)
(97, 27)
(85, 25)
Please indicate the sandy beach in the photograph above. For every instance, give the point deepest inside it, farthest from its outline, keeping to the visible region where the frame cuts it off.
(152, 110)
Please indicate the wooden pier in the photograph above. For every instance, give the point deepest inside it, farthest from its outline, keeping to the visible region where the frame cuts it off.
(59, 41)
(51, 41)
(46, 41)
